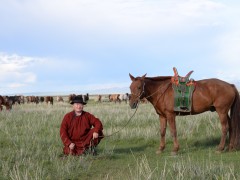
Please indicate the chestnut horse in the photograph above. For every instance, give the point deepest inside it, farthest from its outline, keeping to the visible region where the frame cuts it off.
(209, 94)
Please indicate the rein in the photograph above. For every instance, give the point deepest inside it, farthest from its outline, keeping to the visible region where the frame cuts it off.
(92, 147)
(162, 94)
(123, 126)
(143, 91)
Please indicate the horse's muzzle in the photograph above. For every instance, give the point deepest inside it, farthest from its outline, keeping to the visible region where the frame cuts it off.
(133, 105)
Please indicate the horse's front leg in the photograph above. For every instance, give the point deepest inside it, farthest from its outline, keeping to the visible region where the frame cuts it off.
(163, 126)
(172, 124)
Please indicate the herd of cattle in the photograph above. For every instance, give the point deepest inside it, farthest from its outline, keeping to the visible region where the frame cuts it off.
(9, 101)
(118, 98)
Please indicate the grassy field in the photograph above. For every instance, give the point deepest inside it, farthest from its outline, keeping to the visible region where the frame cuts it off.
(30, 146)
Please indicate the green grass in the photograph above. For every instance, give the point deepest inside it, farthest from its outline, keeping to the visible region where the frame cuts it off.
(30, 146)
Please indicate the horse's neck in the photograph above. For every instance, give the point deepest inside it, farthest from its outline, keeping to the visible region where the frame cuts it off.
(150, 88)
(154, 89)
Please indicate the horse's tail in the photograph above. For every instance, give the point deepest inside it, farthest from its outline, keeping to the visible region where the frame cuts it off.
(235, 121)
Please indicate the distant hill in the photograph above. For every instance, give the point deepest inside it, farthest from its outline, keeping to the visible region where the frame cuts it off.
(90, 92)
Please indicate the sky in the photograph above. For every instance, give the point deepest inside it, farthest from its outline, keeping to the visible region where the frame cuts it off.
(91, 46)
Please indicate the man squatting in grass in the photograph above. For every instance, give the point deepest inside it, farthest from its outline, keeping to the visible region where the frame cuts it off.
(79, 129)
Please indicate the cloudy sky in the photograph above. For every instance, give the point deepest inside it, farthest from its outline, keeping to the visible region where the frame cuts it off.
(81, 46)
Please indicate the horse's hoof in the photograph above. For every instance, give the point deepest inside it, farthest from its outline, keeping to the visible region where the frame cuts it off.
(173, 153)
(159, 151)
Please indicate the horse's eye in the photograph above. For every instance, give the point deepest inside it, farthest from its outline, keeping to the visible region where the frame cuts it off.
(139, 88)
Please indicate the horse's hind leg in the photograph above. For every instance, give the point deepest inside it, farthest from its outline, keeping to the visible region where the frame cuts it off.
(163, 126)
(224, 120)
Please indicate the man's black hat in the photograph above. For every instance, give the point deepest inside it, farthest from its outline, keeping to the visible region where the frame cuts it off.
(78, 99)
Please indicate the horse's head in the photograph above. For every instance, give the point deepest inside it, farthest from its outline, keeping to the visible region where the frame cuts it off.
(137, 90)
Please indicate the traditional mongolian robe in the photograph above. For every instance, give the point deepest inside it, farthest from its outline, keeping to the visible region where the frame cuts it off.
(79, 130)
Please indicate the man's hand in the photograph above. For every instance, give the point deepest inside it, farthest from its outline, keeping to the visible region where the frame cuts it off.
(71, 146)
(95, 135)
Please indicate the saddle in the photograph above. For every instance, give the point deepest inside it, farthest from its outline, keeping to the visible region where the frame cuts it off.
(176, 79)
(183, 89)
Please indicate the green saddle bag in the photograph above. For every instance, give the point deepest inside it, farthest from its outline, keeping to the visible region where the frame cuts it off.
(183, 96)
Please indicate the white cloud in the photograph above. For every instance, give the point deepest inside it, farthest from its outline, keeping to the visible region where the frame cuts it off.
(14, 70)
(34, 73)
(11, 63)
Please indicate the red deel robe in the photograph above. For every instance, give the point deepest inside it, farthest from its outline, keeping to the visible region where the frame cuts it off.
(79, 130)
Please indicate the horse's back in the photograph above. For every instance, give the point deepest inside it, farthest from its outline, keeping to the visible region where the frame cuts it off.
(213, 93)
(215, 87)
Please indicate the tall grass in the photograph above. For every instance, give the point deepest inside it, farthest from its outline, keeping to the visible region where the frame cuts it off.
(30, 146)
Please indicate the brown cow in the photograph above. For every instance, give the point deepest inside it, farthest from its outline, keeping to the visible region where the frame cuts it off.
(41, 99)
(99, 98)
(32, 99)
(85, 98)
(114, 98)
(4, 101)
(60, 99)
(70, 97)
(15, 99)
(124, 97)
(49, 99)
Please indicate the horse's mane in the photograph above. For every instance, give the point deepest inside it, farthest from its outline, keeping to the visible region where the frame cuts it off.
(158, 78)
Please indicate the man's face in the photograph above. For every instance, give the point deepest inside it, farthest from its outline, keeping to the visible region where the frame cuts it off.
(78, 107)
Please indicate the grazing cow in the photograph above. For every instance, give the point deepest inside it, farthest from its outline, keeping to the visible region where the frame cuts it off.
(70, 97)
(85, 98)
(28, 98)
(9, 99)
(124, 97)
(22, 101)
(4, 101)
(14, 99)
(49, 99)
(37, 99)
(32, 99)
(60, 99)
(99, 98)
(114, 98)
(41, 99)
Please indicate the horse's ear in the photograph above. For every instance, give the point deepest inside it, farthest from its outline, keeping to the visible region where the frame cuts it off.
(131, 77)
(144, 76)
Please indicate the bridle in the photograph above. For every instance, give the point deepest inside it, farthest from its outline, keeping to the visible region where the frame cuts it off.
(143, 91)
